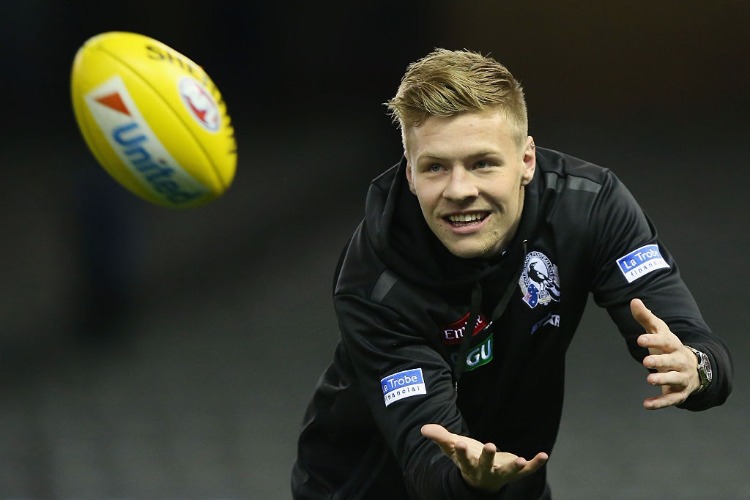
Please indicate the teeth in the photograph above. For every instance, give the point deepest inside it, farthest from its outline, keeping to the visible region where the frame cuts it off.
(465, 217)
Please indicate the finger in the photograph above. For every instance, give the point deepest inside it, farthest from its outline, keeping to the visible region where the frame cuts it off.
(523, 466)
(665, 400)
(664, 342)
(648, 320)
(438, 433)
(654, 343)
(487, 457)
(672, 361)
(661, 362)
(441, 436)
(535, 463)
(653, 339)
(672, 379)
(462, 456)
(678, 377)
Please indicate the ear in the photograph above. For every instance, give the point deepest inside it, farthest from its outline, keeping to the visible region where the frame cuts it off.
(409, 178)
(529, 161)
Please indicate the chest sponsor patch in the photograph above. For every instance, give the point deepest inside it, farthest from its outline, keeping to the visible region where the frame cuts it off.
(640, 262)
(454, 333)
(404, 384)
(539, 281)
(480, 355)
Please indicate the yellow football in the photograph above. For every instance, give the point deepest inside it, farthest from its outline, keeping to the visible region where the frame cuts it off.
(153, 119)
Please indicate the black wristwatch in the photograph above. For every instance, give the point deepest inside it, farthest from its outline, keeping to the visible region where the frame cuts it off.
(704, 369)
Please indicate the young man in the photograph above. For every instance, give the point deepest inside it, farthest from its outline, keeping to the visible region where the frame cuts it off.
(458, 294)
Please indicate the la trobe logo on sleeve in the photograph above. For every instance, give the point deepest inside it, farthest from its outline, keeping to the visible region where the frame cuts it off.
(641, 261)
(402, 385)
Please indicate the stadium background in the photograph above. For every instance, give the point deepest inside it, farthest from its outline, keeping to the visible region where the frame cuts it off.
(148, 353)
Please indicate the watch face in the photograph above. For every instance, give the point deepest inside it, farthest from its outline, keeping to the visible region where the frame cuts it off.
(704, 370)
(706, 366)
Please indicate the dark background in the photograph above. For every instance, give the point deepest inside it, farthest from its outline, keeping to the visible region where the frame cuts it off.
(151, 353)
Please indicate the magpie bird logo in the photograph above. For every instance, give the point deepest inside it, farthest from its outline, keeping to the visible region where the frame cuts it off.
(539, 281)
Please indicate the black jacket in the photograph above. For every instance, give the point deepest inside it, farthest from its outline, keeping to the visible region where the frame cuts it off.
(403, 304)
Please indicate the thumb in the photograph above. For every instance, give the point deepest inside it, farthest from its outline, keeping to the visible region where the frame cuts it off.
(644, 316)
(649, 321)
(441, 436)
(437, 433)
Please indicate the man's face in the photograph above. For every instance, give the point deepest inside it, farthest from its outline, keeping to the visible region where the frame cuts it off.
(468, 173)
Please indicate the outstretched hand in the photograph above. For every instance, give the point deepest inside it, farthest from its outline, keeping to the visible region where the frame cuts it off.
(481, 465)
(676, 366)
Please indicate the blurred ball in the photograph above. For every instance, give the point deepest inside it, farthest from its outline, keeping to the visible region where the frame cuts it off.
(153, 119)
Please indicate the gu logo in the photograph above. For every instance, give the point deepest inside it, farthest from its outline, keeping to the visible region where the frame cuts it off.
(539, 281)
(480, 355)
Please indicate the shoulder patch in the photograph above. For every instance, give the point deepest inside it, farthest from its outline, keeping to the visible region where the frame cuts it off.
(404, 384)
(640, 262)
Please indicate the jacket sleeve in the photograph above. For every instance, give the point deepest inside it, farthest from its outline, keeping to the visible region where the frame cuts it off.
(630, 262)
(389, 355)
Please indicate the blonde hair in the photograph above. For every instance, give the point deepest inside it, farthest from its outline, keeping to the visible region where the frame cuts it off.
(445, 83)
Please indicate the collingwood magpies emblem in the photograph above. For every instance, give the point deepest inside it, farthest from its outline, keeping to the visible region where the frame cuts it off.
(539, 281)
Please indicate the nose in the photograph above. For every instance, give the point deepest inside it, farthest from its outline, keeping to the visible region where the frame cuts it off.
(460, 186)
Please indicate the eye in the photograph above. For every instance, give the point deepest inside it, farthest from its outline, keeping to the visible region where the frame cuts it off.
(434, 167)
(482, 164)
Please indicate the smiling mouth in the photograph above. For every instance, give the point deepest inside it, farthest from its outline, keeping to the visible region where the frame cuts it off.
(459, 220)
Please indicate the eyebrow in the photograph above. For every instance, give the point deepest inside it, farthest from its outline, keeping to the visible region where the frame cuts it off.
(471, 156)
(486, 153)
(430, 157)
